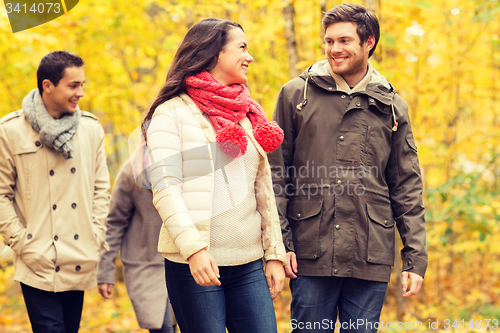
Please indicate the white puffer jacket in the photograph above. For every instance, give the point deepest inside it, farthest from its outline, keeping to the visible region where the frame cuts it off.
(181, 140)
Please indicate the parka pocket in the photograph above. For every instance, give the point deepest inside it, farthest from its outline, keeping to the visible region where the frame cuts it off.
(380, 248)
(351, 144)
(304, 216)
(413, 152)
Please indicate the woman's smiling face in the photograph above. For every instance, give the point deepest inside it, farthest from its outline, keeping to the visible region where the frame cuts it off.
(233, 60)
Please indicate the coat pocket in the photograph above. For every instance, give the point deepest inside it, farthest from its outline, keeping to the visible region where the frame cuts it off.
(39, 258)
(304, 216)
(380, 248)
(27, 164)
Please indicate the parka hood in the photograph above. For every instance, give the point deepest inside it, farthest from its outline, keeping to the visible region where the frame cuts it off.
(320, 76)
(378, 87)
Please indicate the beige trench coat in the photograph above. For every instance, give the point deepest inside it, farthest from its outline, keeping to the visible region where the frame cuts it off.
(53, 211)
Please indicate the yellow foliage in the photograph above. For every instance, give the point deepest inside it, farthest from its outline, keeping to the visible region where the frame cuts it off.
(442, 57)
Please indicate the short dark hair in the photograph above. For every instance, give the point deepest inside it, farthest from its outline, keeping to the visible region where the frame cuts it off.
(52, 67)
(199, 51)
(367, 22)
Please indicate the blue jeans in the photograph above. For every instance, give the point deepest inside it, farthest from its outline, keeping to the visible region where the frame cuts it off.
(51, 312)
(316, 301)
(242, 302)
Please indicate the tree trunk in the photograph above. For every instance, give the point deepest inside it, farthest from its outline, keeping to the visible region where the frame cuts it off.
(370, 5)
(323, 11)
(291, 41)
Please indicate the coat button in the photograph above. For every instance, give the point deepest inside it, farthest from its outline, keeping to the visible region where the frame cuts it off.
(57, 269)
(298, 215)
(29, 236)
(38, 143)
(76, 237)
(77, 268)
(330, 88)
(337, 227)
(358, 104)
(339, 181)
(54, 207)
(341, 138)
(314, 256)
(73, 205)
(73, 170)
(335, 271)
(385, 222)
(369, 259)
(51, 172)
(372, 100)
(343, 96)
(56, 238)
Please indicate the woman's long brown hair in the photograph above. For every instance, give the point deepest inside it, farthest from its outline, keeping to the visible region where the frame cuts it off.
(198, 51)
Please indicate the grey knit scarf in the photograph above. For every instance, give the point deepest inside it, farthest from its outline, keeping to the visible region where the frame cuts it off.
(54, 133)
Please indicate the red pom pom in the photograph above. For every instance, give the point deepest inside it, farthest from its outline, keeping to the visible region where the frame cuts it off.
(268, 135)
(232, 140)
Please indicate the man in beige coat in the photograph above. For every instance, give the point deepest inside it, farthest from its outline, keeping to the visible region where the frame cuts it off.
(54, 194)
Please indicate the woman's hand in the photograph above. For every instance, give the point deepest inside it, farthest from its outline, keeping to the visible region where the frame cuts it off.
(204, 269)
(275, 277)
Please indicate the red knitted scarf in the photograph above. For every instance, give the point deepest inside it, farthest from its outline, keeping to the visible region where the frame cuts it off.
(226, 105)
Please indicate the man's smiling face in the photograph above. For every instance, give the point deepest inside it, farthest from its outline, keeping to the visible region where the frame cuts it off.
(347, 57)
(64, 97)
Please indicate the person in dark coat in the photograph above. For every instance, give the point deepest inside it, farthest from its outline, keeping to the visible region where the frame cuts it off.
(133, 228)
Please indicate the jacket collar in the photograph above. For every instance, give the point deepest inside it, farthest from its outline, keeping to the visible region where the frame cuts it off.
(342, 84)
(374, 84)
(379, 90)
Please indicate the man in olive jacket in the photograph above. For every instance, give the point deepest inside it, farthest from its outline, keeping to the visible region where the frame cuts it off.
(54, 194)
(346, 174)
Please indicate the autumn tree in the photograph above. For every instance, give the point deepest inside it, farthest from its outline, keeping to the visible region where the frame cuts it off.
(442, 57)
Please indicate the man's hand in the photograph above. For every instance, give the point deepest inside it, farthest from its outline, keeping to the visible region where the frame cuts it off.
(291, 265)
(106, 290)
(204, 269)
(275, 277)
(415, 283)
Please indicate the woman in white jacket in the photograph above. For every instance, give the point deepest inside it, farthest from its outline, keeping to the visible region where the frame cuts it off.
(212, 187)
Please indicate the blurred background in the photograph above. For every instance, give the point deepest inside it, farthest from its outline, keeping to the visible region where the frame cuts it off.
(442, 56)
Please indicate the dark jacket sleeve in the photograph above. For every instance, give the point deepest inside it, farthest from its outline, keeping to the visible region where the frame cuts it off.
(120, 214)
(279, 160)
(405, 186)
